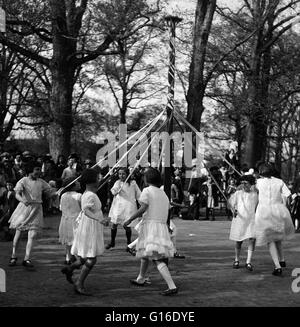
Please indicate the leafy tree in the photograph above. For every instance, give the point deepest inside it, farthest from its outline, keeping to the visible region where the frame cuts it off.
(266, 21)
(70, 34)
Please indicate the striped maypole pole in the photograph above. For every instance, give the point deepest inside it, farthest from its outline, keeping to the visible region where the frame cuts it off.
(171, 22)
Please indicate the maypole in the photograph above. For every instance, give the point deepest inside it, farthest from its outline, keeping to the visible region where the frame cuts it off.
(171, 21)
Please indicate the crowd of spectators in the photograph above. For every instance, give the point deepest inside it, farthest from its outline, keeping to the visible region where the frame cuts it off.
(12, 169)
(206, 189)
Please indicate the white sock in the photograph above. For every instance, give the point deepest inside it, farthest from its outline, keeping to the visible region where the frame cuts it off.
(143, 270)
(249, 256)
(132, 244)
(165, 273)
(274, 254)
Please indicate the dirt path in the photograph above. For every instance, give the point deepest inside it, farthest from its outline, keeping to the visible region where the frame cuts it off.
(205, 277)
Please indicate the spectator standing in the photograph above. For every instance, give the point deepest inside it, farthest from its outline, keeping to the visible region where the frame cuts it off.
(69, 171)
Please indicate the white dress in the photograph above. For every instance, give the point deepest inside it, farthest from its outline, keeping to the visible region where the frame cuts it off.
(242, 226)
(124, 203)
(70, 209)
(154, 241)
(273, 221)
(88, 239)
(30, 217)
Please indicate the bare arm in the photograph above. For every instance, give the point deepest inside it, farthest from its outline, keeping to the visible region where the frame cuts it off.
(20, 198)
(137, 214)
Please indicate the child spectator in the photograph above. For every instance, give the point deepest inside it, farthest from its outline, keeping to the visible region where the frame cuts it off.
(8, 208)
(69, 171)
(53, 201)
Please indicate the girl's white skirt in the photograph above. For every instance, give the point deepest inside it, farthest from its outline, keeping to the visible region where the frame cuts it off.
(154, 241)
(27, 217)
(66, 230)
(88, 239)
(273, 223)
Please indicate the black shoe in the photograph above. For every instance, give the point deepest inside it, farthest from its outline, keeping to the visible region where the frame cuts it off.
(277, 272)
(236, 265)
(170, 291)
(249, 266)
(81, 291)
(178, 256)
(282, 264)
(131, 251)
(109, 246)
(66, 271)
(73, 259)
(12, 262)
(27, 264)
(136, 283)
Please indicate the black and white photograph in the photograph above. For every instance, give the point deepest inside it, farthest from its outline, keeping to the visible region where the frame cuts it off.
(149, 157)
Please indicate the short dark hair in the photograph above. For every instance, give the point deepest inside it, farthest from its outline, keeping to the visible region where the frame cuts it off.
(153, 176)
(89, 176)
(11, 181)
(30, 165)
(247, 178)
(265, 170)
(67, 181)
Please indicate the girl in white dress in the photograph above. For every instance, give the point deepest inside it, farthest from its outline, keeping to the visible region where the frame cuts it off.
(123, 206)
(28, 215)
(154, 242)
(273, 222)
(243, 204)
(70, 208)
(88, 240)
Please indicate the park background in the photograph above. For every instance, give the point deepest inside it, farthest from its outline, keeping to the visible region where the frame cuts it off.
(70, 71)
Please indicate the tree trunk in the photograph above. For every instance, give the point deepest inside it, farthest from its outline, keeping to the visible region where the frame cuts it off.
(197, 85)
(289, 164)
(279, 141)
(61, 108)
(63, 77)
(123, 111)
(255, 148)
(3, 97)
(259, 80)
(239, 137)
